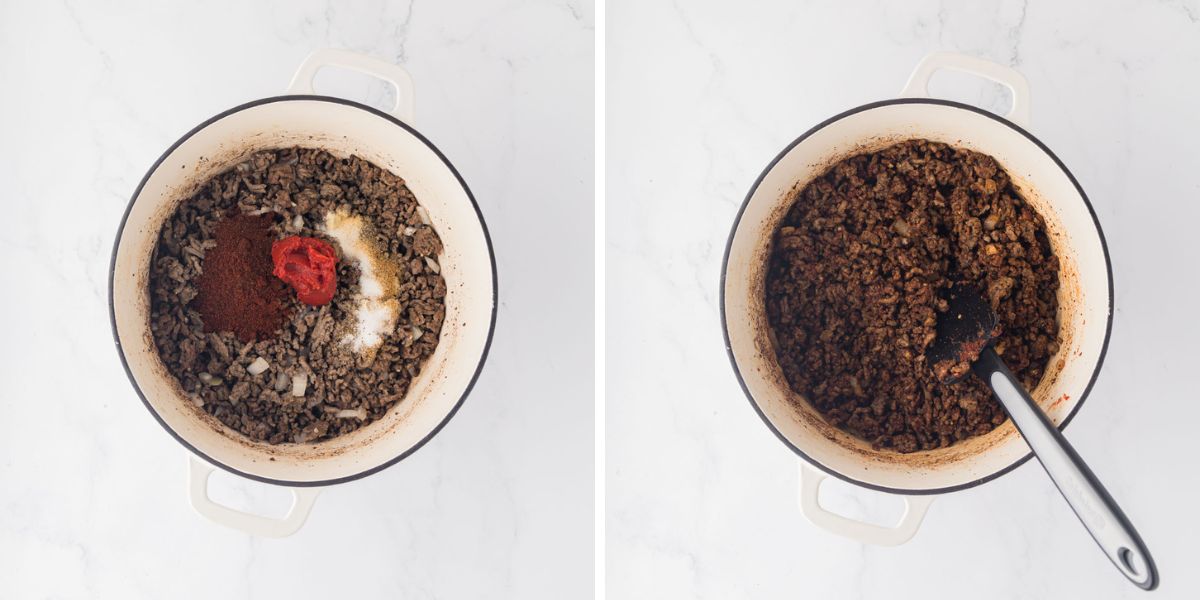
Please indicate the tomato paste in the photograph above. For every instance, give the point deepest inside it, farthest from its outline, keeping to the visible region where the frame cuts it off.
(307, 264)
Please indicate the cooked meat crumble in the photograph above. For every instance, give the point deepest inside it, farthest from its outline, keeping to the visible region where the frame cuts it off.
(342, 390)
(854, 282)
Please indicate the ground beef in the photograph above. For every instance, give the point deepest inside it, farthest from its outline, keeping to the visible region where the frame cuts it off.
(297, 187)
(854, 283)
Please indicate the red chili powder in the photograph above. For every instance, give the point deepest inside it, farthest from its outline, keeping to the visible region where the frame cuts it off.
(236, 290)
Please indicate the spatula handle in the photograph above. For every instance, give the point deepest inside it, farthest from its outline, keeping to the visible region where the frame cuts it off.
(1087, 497)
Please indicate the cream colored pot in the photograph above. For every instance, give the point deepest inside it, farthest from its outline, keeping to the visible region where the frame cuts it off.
(342, 128)
(1085, 295)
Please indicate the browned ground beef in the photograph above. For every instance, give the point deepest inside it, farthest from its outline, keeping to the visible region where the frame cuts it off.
(853, 284)
(211, 367)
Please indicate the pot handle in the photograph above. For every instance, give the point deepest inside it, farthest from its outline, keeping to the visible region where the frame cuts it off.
(918, 82)
(302, 502)
(866, 533)
(368, 65)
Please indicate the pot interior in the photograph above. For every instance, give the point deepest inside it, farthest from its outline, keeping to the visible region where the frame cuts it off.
(1084, 293)
(466, 264)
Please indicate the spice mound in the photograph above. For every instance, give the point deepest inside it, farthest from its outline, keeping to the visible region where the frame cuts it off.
(268, 318)
(854, 280)
(376, 308)
(236, 291)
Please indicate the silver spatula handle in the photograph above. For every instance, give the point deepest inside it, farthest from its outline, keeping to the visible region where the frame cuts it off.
(1087, 497)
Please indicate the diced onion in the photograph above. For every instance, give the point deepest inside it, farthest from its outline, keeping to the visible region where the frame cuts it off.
(432, 264)
(298, 222)
(423, 214)
(345, 413)
(409, 231)
(282, 381)
(258, 366)
(299, 384)
(209, 379)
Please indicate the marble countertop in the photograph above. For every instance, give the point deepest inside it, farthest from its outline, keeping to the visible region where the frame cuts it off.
(701, 497)
(92, 491)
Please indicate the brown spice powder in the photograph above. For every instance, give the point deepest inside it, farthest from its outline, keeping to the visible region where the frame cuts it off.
(236, 290)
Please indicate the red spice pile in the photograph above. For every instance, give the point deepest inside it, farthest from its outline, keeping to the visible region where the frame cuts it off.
(236, 290)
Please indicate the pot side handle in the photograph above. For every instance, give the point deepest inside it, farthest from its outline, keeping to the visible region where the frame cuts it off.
(302, 503)
(333, 57)
(866, 533)
(918, 82)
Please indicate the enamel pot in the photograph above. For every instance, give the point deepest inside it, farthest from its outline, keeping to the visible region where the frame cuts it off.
(1085, 296)
(342, 128)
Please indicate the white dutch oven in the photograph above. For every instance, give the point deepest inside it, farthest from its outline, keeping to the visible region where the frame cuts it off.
(342, 128)
(1085, 295)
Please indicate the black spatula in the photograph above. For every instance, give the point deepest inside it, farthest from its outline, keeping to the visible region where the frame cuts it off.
(963, 343)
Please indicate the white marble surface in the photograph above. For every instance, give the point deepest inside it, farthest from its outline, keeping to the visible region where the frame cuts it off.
(701, 95)
(92, 496)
